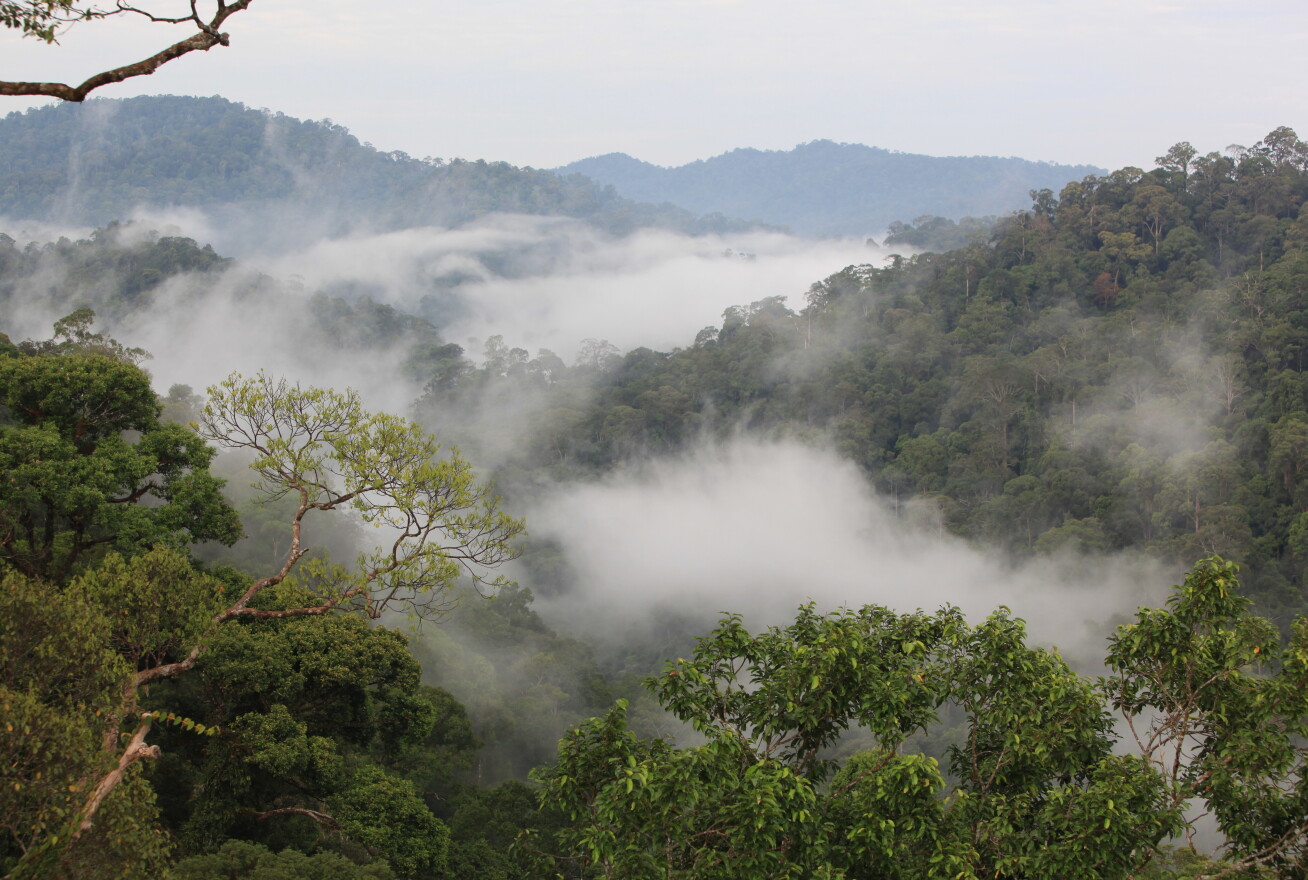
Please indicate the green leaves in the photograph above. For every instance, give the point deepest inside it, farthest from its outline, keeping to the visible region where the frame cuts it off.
(77, 484)
(1031, 719)
(187, 724)
(84, 396)
(251, 861)
(385, 814)
(284, 711)
(642, 807)
(321, 448)
(1219, 707)
(61, 686)
(158, 605)
(1038, 790)
(792, 692)
(889, 816)
(43, 19)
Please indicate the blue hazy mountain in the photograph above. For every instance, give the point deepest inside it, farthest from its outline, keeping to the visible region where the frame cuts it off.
(826, 188)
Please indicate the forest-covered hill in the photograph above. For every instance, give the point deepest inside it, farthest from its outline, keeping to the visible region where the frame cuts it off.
(826, 188)
(1120, 365)
(94, 163)
(1114, 367)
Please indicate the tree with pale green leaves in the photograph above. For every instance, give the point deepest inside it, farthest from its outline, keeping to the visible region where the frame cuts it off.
(436, 521)
(1217, 703)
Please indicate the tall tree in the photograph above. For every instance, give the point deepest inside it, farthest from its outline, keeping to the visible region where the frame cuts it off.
(319, 448)
(1220, 709)
(90, 466)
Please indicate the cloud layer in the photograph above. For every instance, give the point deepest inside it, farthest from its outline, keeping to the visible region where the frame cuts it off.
(761, 527)
(550, 283)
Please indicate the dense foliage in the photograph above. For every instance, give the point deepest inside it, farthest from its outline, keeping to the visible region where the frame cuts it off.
(75, 485)
(264, 707)
(1119, 366)
(1035, 789)
(96, 162)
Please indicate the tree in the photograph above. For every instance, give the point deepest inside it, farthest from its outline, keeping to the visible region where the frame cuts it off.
(1039, 792)
(998, 384)
(1220, 709)
(76, 485)
(1176, 162)
(60, 679)
(745, 803)
(1283, 147)
(327, 453)
(312, 714)
(1157, 209)
(44, 19)
(157, 613)
(251, 861)
(1216, 708)
(1124, 248)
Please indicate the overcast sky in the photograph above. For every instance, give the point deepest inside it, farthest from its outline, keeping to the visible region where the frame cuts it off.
(544, 82)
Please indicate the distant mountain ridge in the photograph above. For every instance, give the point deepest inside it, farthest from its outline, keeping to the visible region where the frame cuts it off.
(93, 163)
(828, 188)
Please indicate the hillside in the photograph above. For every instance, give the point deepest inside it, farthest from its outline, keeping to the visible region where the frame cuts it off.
(98, 162)
(825, 188)
(1118, 367)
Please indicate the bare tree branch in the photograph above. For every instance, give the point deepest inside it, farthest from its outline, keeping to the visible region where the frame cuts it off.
(208, 37)
(322, 819)
(135, 751)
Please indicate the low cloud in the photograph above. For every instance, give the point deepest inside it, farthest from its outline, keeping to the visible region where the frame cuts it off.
(538, 282)
(761, 527)
(25, 232)
(744, 525)
(550, 283)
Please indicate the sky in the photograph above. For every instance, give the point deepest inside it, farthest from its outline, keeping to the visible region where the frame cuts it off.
(543, 83)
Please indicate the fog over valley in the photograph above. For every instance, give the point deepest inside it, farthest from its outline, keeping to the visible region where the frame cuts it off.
(760, 527)
(739, 518)
(748, 521)
(551, 283)
(385, 298)
(538, 283)
(745, 522)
